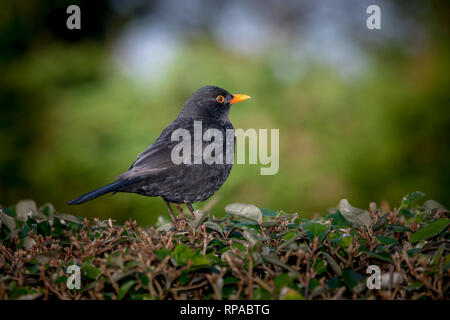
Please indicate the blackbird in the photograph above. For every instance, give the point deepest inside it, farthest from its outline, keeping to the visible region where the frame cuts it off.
(155, 174)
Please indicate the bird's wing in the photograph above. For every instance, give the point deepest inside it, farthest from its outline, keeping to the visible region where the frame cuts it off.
(156, 157)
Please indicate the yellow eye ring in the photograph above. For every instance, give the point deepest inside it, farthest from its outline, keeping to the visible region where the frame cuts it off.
(220, 99)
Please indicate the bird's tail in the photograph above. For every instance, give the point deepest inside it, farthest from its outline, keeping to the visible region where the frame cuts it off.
(100, 191)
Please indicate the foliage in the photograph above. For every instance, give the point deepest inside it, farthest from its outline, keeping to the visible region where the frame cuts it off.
(69, 116)
(268, 255)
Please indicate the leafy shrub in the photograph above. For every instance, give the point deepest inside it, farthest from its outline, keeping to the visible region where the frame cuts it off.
(251, 253)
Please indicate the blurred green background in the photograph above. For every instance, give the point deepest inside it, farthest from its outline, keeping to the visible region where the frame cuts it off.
(363, 114)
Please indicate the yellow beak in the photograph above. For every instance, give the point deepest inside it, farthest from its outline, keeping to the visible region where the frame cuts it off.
(239, 98)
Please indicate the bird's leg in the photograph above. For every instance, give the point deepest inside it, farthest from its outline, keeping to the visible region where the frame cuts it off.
(190, 208)
(174, 218)
(180, 209)
(172, 215)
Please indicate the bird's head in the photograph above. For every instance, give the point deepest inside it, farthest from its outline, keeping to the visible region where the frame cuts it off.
(210, 102)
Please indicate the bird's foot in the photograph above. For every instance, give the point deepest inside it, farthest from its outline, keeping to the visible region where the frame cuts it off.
(180, 224)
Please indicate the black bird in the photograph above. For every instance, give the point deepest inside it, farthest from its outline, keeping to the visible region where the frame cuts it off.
(154, 174)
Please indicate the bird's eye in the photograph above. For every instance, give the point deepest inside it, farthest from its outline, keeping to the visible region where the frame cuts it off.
(220, 99)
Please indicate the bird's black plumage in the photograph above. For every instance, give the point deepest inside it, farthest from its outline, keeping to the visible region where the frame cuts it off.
(155, 174)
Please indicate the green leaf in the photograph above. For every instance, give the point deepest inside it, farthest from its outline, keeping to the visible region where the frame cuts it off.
(269, 223)
(44, 228)
(352, 279)
(438, 254)
(345, 241)
(246, 211)
(398, 228)
(181, 254)
(213, 226)
(339, 222)
(200, 260)
(282, 280)
(406, 213)
(384, 257)
(131, 264)
(25, 209)
(411, 198)
(386, 240)
(24, 293)
(28, 243)
(357, 216)
(115, 260)
(184, 278)
(259, 294)
(432, 206)
(430, 230)
(165, 227)
(45, 257)
(91, 272)
(381, 222)
(200, 216)
(312, 284)
(231, 280)
(141, 296)
(213, 258)
(61, 279)
(320, 267)
(144, 279)
(333, 264)
(291, 294)
(68, 217)
(268, 212)
(414, 286)
(7, 221)
(412, 252)
(47, 209)
(162, 253)
(124, 289)
(314, 229)
(58, 227)
(288, 236)
(447, 262)
(334, 283)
